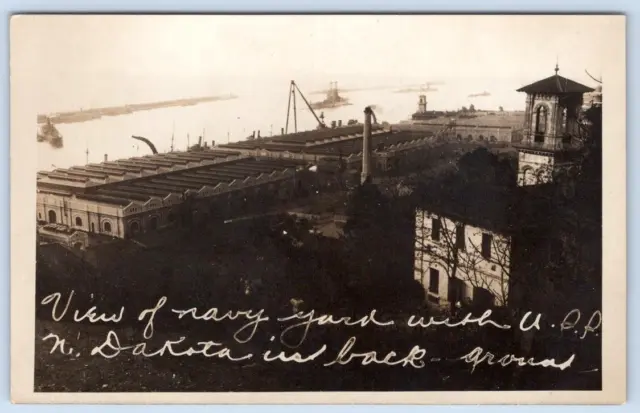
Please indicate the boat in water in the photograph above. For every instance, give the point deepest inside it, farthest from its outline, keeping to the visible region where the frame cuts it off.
(333, 99)
(47, 132)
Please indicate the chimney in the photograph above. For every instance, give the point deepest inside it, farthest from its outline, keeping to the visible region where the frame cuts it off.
(213, 143)
(200, 141)
(281, 131)
(106, 157)
(254, 134)
(333, 124)
(258, 134)
(366, 146)
(339, 122)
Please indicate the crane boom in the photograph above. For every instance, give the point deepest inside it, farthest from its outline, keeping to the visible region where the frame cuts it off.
(148, 142)
(292, 96)
(308, 104)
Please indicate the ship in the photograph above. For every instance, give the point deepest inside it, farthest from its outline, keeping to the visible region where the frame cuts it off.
(333, 99)
(475, 95)
(420, 89)
(47, 132)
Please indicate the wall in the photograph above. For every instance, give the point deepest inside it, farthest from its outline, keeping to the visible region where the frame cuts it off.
(534, 168)
(473, 271)
(67, 209)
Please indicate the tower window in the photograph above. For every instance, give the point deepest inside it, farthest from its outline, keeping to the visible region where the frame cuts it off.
(541, 124)
(78, 222)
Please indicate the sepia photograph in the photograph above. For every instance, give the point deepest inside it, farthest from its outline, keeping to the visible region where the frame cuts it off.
(432, 208)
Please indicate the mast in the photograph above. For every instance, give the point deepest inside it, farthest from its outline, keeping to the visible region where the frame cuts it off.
(173, 132)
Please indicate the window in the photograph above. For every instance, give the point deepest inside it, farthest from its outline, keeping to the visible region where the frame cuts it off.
(541, 123)
(434, 280)
(78, 222)
(435, 229)
(39, 216)
(52, 217)
(460, 238)
(106, 226)
(486, 245)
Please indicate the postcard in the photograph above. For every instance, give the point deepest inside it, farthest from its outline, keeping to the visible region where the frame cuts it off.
(390, 209)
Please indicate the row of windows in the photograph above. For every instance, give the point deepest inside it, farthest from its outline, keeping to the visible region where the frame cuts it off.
(460, 241)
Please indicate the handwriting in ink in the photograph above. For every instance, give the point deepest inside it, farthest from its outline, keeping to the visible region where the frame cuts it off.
(346, 356)
(213, 314)
(309, 319)
(468, 319)
(478, 356)
(111, 348)
(148, 329)
(572, 319)
(78, 316)
(59, 344)
(295, 357)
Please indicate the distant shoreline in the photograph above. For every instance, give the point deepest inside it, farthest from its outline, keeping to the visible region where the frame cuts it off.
(97, 113)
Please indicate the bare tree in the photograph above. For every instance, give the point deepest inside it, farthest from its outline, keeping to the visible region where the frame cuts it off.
(442, 246)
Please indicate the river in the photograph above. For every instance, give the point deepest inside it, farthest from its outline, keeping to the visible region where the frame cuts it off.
(264, 110)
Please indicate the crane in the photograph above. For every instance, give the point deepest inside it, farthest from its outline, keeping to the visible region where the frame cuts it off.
(292, 97)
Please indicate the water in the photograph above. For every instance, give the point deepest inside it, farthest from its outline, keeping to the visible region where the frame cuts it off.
(260, 108)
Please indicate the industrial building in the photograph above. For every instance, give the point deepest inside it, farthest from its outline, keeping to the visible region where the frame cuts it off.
(124, 197)
(392, 149)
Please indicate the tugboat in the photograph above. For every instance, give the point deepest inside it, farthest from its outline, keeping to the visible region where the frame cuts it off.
(333, 99)
(47, 132)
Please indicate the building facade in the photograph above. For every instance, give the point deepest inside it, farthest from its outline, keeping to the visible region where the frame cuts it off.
(458, 262)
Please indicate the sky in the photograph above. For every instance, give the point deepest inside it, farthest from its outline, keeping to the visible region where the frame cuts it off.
(72, 57)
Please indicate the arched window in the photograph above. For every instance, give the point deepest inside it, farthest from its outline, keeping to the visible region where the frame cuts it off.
(481, 138)
(106, 226)
(527, 176)
(153, 222)
(134, 227)
(52, 217)
(541, 123)
(78, 222)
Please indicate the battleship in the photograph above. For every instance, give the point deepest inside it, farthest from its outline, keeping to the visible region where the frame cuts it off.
(333, 99)
(47, 132)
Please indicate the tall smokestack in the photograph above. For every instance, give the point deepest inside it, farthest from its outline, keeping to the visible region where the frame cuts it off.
(366, 146)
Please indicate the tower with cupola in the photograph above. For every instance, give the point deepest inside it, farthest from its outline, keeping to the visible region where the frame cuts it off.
(552, 130)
